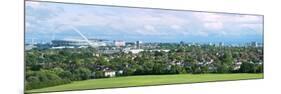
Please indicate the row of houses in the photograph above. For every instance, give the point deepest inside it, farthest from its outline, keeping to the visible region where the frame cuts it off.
(112, 73)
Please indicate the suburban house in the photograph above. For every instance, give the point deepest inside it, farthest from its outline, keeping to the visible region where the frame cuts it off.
(109, 73)
(237, 65)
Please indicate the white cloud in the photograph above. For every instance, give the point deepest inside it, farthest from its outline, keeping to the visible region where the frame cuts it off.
(125, 22)
(176, 27)
(229, 24)
(143, 21)
(149, 30)
(253, 27)
(248, 19)
(213, 25)
(210, 21)
(201, 33)
(208, 17)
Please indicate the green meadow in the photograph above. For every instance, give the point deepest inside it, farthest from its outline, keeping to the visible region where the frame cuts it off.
(147, 80)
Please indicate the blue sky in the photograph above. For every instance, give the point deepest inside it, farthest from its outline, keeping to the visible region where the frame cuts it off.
(47, 21)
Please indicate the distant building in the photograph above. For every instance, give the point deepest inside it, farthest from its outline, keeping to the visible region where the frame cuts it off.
(29, 46)
(138, 44)
(211, 44)
(62, 47)
(120, 72)
(109, 73)
(260, 44)
(181, 43)
(237, 65)
(133, 51)
(78, 43)
(254, 44)
(159, 50)
(221, 44)
(130, 44)
(193, 43)
(119, 43)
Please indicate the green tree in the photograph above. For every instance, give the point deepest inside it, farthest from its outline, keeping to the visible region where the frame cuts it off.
(82, 73)
(247, 68)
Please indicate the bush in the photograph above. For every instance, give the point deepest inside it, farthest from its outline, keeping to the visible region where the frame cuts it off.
(247, 68)
(98, 74)
(43, 78)
(82, 73)
(251, 68)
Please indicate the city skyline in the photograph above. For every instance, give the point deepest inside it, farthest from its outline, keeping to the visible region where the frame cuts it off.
(44, 20)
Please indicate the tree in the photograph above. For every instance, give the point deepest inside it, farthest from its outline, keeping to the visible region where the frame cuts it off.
(98, 74)
(148, 67)
(32, 82)
(129, 71)
(57, 70)
(82, 73)
(180, 70)
(66, 75)
(198, 70)
(43, 78)
(247, 68)
(48, 67)
(222, 68)
(159, 68)
(259, 69)
(227, 58)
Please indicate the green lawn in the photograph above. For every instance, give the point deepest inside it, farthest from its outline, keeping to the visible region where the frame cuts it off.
(146, 80)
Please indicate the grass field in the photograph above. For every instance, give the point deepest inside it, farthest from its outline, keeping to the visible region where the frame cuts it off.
(145, 81)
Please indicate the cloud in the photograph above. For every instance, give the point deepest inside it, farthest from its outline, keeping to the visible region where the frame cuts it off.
(248, 19)
(176, 27)
(208, 17)
(258, 28)
(230, 24)
(214, 25)
(128, 21)
(45, 17)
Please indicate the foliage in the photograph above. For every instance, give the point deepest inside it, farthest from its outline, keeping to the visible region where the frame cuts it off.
(49, 67)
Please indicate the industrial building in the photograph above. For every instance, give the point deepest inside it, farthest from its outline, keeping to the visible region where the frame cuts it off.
(119, 43)
(79, 43)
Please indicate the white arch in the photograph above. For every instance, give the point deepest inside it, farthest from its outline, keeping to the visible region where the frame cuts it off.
(77, 31)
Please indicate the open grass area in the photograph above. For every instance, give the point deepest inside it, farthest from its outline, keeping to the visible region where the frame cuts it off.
(146, 81)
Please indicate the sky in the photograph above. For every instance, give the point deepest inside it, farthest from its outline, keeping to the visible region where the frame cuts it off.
(47, 21)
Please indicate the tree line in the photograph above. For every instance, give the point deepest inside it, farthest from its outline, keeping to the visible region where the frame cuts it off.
(50, 67)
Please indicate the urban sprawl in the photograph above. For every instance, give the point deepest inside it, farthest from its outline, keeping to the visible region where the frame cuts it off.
(64, 61)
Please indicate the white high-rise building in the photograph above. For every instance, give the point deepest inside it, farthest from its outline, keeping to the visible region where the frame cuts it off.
(119, 43)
